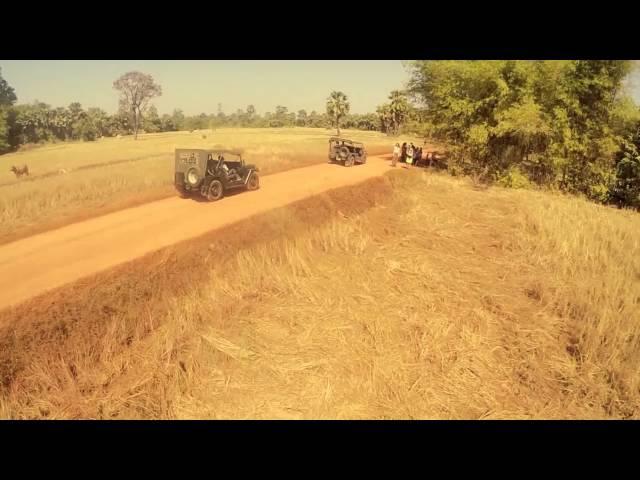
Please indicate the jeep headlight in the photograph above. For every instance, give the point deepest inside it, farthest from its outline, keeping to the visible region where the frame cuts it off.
(192, 176)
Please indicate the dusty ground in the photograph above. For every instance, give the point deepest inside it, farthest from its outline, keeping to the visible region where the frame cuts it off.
(61, 256)
(115, 173)
(413, 295)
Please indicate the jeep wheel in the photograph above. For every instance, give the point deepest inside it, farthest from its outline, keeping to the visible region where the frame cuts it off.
(254, 182)
(215, 191)
(349, 161)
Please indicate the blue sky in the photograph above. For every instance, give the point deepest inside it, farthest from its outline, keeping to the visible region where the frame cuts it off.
(198, 86)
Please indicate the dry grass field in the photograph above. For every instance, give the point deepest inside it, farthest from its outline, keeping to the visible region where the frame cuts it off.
(113, 173)
(415, 295)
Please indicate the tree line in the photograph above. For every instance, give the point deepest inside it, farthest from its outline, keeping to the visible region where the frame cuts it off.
(569, 125)
(38, 122)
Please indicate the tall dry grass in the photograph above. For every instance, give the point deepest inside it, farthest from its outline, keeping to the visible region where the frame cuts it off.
(443, 302)
(592, 256)
(113, 170)
(72, 155)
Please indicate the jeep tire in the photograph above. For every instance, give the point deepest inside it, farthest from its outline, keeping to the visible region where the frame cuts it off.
(254, 182)
(215, 191)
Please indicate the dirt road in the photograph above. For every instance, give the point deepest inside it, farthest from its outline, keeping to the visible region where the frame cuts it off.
(31, 266)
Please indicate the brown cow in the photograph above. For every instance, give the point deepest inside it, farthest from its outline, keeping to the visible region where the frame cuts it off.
(20, 171)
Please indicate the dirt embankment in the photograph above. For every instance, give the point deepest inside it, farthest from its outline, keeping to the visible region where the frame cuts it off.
(148, 195)
(75, 317)
(54, 258)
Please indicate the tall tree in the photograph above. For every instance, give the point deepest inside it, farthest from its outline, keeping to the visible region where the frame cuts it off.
(315, 120)
(32, 124)
(4, 131)
(152, 122)
(167, 124)
(280, 118)
(99, 119)
(7, 93)
(626, 188)
(557, 121)
(251, 114)
(60, 123)
(136, 90)
(302, 118)
(385, 118)
(7, 99)
(398, 109)
(177, 118)
(78, 127)
(120, 123)
(337, 107)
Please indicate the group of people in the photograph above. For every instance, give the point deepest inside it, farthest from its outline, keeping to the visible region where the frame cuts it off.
(410, 155)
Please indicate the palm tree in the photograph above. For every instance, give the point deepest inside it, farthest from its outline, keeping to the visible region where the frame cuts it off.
(337, 107)
(399, 108)
(385, 117)
(251, 114)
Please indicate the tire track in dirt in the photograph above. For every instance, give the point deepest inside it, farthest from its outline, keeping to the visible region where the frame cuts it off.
(71, 321)
(148, 195)
(35, 265)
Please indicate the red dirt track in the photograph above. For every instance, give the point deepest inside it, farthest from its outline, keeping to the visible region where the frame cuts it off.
(34, 265)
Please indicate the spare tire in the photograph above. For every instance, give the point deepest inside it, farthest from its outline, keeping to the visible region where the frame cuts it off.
(344, 152)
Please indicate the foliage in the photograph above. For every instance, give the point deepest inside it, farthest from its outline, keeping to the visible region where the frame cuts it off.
(393, 115)
(7, 93)
(558, 123)
(513, 178)
(626, 189)
(4, 130)
(337, 108)
(7, 99)
(136, 90)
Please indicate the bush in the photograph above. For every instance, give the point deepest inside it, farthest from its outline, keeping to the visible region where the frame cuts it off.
(512, 178)
(626, 189)
(85, 130)
(4, 131)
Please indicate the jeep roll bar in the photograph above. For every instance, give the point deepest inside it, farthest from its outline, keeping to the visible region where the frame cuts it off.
(344, 140)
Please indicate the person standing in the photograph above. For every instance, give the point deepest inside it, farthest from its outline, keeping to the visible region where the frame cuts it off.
(396, 154)
(403, 152)
(410, 154)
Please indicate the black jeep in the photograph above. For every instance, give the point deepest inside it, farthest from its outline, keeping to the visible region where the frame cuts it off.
(346, 151)
(211, 173)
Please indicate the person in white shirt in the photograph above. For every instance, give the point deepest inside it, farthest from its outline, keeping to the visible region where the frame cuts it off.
(231, 172)
(396, 155)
